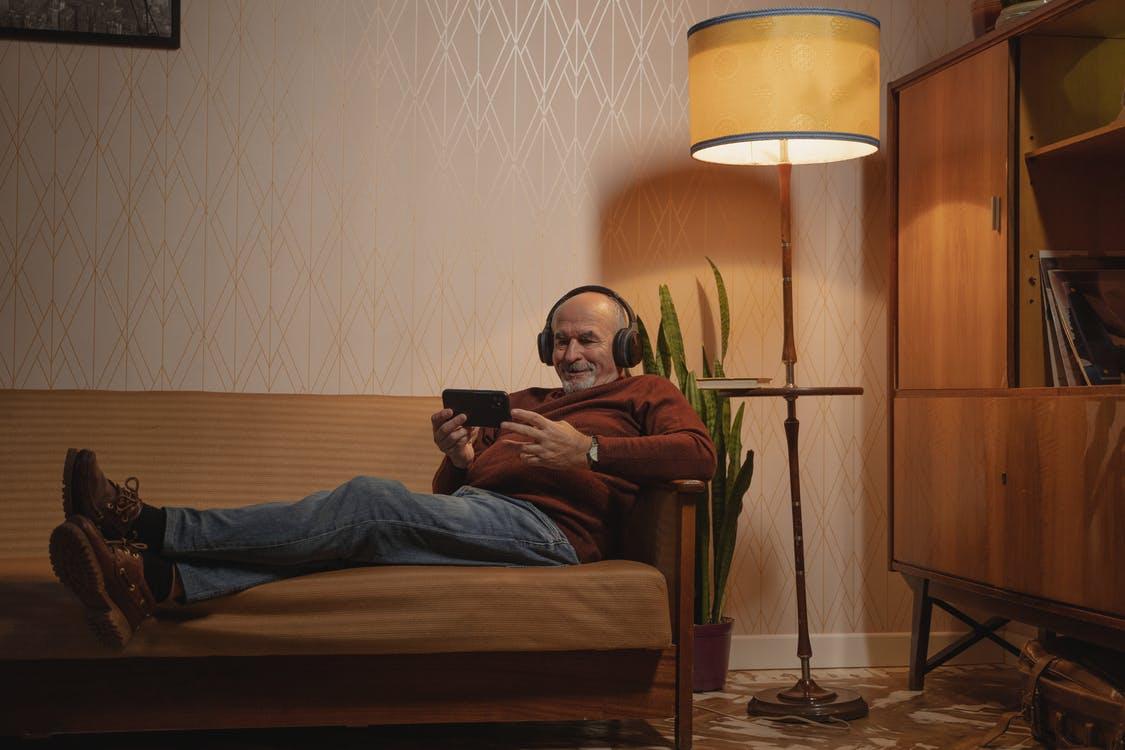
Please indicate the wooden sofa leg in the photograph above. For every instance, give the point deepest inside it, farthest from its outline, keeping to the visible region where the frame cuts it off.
(919, 632)
(684, 615)
(683, 720)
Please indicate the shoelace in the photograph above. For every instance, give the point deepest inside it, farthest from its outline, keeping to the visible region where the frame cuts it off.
(141, 592)
(129, 545)
(128, 496)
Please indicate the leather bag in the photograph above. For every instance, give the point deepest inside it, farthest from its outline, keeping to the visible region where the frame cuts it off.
(1073, 696)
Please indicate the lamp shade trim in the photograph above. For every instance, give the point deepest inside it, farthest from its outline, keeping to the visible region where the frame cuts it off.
(741, 15)
(791, 135)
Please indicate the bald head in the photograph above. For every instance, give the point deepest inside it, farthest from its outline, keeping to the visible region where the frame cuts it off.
(608, 305)
(583, 328)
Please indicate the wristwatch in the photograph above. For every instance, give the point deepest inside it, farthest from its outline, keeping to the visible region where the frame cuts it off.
(592, 454)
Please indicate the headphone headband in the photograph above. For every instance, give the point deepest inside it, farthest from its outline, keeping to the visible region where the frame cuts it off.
(630, 317)
(626, 341)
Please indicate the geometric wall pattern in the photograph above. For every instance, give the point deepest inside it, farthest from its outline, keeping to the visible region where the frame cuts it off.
(384, 197)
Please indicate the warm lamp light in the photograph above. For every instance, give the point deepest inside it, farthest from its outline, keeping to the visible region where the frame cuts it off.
(783, 87)
(786, 86)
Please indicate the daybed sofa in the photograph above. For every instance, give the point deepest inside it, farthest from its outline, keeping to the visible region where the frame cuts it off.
(377, 645)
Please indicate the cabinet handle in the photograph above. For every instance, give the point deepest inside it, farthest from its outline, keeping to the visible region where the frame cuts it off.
(996, 213)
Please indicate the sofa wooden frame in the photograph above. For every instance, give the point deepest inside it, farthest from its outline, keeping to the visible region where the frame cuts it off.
(44, 696)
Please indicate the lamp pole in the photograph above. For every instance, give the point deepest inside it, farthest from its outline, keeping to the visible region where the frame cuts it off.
(789, 348)
(805, 698)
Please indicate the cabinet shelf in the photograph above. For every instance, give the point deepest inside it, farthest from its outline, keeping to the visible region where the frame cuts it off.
(1107, 142)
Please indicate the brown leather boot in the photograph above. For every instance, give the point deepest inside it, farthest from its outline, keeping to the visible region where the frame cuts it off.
(108, 577)
(87, 492)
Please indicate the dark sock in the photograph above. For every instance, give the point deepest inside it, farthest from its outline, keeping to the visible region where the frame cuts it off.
(158, 575)
(149, 527)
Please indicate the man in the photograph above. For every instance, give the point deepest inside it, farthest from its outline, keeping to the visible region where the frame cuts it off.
(551, 487)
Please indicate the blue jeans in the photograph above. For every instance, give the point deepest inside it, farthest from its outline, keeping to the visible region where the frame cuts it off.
(365, 521)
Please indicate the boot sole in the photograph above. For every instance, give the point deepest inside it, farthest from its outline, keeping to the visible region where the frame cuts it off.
(76, 567)
(67, 477)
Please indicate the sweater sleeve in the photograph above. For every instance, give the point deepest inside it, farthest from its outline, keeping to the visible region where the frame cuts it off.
(448, 477)
(675, 445)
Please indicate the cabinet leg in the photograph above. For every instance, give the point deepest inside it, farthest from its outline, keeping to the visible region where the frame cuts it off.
(919, 631)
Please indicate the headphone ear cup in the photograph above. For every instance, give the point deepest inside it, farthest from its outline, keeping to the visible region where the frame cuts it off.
(626, 347)
(543, 341)
(621, 347)
(633, 348)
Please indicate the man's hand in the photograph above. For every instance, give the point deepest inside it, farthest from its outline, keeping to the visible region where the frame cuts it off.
(453, 438)
(554, 444)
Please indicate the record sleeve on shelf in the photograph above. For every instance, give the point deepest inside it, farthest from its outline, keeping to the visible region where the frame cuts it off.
(1060, 367)
(1084, 317)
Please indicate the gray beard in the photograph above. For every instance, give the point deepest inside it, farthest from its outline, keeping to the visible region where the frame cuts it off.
(573, 386)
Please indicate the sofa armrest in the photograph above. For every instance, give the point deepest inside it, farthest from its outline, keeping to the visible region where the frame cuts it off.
(661, 532)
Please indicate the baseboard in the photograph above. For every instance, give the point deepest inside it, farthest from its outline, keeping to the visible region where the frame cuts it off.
(849, 650)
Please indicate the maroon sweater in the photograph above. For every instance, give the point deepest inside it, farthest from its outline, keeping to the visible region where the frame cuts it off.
(646, 430)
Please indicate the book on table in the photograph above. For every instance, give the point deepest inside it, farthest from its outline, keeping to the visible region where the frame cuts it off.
(726, 384)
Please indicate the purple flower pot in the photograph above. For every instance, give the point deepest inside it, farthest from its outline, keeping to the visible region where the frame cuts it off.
(712, 655)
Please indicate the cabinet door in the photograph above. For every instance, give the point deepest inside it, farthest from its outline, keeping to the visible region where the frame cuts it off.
(952, 251)
(1064, 512)
(949, 457)
(1022, 492)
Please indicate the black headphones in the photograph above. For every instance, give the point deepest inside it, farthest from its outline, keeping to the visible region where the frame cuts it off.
(626, 342)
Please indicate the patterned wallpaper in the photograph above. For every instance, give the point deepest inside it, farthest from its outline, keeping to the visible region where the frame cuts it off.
(384, 197)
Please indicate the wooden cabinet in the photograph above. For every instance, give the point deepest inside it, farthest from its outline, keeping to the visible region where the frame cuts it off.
(953, 264)
(1005, 494)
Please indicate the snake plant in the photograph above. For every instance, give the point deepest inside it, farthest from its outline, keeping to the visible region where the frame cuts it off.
(717, 519)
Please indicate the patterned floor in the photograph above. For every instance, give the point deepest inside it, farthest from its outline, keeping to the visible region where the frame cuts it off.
(957, 711)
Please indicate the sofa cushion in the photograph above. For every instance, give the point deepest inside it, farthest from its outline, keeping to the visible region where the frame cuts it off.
(613, 604)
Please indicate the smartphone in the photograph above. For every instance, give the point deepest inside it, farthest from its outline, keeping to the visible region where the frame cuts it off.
(485, 408)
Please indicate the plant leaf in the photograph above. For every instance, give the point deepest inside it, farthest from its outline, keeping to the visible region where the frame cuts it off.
(724, 310)
(663, 358)
(649, 362)
(703, 562)
(719, 480)
(693, 394)
(675, 340)
(725, 415)
(711, 412)
(724, 544)
(719, 493)
(734, 445)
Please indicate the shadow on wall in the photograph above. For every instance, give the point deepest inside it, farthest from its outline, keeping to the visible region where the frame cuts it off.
(886, 600)
(660, 228)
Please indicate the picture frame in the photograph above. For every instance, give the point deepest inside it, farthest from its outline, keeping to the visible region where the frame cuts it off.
(131, 23)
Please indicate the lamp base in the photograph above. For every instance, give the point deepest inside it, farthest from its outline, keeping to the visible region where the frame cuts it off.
(808, 700)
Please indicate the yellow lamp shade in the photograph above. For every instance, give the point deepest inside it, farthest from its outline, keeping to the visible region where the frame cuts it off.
(791, 85)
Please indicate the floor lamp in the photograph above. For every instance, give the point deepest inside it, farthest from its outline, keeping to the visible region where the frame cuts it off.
(783, 87)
